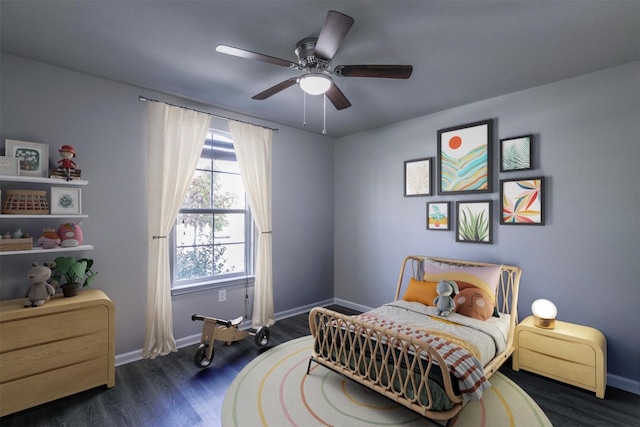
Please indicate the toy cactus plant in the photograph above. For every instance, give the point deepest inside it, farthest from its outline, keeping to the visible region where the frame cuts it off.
(75, 273)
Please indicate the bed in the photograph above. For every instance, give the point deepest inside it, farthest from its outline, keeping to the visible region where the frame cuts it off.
(398, 349)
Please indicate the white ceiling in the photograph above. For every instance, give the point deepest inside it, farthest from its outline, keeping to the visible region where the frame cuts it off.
(461, 51)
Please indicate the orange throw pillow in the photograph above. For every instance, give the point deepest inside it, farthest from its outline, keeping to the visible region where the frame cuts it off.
(422, 292)
(474, 302)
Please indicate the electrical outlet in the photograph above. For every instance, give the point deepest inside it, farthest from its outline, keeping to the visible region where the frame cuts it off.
(222, 295)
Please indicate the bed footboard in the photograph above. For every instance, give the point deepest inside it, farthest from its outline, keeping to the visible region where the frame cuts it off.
(395, 365)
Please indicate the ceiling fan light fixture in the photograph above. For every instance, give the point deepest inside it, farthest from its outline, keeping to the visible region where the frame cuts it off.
(315, 83)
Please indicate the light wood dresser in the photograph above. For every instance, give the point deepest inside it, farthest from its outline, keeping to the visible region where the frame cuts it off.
(60, 348)
(570, 353)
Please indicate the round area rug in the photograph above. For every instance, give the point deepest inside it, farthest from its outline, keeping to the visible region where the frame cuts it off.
(274, 390)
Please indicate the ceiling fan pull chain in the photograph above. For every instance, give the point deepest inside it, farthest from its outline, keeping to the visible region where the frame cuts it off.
(304, 108)
(324, 114)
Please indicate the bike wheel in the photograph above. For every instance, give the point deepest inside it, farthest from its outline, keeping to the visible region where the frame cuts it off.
(200, 357)
(262, 336)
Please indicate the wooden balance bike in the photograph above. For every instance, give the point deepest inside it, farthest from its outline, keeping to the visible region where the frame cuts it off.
(223, 330)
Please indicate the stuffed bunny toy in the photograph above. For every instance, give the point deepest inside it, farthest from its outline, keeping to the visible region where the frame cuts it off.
(444, 301)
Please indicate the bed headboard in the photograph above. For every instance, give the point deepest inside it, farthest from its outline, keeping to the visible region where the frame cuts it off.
(506, 296)
(506, 293)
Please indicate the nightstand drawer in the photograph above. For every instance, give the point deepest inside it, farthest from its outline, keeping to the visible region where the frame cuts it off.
(557, 368)
(558, 348)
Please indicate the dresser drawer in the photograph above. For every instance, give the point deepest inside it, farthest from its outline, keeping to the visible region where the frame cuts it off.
(46, 357)
(37, 330)
(558, 348)
(571, 372)
(34, 390)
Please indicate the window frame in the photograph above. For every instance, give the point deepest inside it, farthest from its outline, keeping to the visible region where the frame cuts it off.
(220, 143)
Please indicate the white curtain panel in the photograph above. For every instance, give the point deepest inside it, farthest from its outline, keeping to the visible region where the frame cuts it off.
(252, 145)
(175, 141)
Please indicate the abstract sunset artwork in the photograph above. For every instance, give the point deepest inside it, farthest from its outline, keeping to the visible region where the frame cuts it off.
(464, 158)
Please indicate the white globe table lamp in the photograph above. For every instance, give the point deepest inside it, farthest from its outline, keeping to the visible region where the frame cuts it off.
(544, 313)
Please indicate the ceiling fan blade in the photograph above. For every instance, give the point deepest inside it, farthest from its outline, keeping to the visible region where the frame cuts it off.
(335, 28)
(275, 89)
(380, 71)
(337, 98)
(247, 54)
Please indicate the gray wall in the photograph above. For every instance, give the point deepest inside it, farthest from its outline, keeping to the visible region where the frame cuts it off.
(105, 123)
(339, 216)
(586, 258)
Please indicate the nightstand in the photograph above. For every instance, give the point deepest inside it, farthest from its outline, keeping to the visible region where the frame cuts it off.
(569, 353)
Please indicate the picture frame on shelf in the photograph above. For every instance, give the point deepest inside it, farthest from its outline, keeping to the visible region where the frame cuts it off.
(474, 221)
(522, 201)
(465, 158)
(515, 153)
(438, 216)
(418, 177)
(66, 201)
(33, 157)
(9, 166)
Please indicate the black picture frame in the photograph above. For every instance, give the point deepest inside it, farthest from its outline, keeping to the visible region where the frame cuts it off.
(474, 221)
(439, 216)
(516, 153)
(465, 158)
(418, 177)
(522, 201)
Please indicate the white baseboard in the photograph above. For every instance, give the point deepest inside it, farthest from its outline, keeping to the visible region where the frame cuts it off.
(351, 305)
(616, 381)
(622, 383)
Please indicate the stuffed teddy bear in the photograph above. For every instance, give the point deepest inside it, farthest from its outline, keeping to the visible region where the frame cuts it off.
(444, 301)
(40, 291)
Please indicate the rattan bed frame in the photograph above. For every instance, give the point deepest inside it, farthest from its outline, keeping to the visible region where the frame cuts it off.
(341, 351)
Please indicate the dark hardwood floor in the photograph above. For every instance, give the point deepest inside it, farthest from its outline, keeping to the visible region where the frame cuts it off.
(170, 391)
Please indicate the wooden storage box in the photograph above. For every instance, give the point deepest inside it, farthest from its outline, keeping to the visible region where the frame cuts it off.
(16, 244)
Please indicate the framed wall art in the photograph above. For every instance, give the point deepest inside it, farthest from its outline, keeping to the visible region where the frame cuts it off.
(438, 217)
(464, 158)
(417, 177)
(9, 166)
(66, 201)
(522, 201)
(473, 222)
(34, 157)
(515, 153)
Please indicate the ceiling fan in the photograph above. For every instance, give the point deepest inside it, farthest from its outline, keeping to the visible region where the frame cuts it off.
(314, 58)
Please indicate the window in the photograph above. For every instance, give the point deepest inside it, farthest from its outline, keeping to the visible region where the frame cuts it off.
(213, 235)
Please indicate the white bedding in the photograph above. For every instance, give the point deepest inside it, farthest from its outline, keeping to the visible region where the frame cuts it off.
(489, 336)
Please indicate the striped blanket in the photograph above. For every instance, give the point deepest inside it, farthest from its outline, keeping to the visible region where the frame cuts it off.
(461, 362)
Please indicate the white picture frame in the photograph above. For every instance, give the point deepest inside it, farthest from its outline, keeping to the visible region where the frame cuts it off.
(66, 201)
(9, 166)
(33, 157)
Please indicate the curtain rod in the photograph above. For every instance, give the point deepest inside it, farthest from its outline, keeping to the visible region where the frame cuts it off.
(144, 98)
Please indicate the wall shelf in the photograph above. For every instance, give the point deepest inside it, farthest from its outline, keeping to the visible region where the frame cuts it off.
(39, 250)
(11, 216)
(41, 180)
